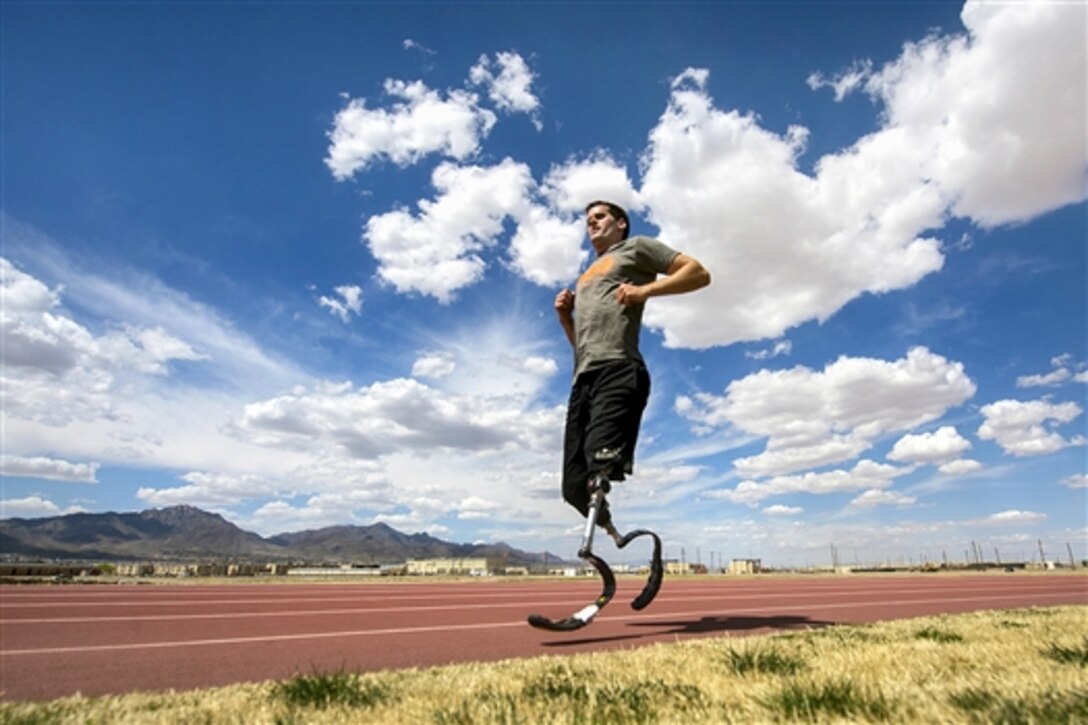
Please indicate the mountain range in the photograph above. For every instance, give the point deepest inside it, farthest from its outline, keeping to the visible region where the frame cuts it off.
(188, 533)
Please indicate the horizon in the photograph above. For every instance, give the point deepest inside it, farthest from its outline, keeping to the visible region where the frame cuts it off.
(295, 265)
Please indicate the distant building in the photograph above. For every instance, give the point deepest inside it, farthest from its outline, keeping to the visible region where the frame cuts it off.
(432, 567)
(744, 566)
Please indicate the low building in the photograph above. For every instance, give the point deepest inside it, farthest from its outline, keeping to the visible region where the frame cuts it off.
(433, 567)
(744, 566)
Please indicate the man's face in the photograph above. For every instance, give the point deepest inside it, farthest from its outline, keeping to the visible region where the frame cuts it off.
(603, 228)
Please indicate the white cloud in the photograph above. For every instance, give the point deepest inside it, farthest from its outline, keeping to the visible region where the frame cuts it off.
(438, 252)
(1011, 517)
(1004, 141)
(959, 468)
(57, 370)
(1051, 379)
(511, 88)
(1024, 428)
(542, 366)
(865, 474)
(434, 365)
(210, 490)
(812, 418)
(942, 446)
(1077, 480)
(874, 497)
(1061, 373)
(780, 510)
(965, 133)
(347, 302)
(548, 249)
(572, 185)
(397, 415)
(729, 193)
(33, 507)
(846, 82)
(421, 122)
(52, 469)
(782, 347)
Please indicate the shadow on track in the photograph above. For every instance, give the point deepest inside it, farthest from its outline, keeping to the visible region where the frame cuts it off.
(702, 626)
(714, 623)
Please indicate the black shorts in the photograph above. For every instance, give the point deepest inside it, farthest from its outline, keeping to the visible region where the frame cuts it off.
(603, 418)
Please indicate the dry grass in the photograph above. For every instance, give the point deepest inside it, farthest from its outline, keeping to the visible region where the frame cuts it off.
(1017, 666)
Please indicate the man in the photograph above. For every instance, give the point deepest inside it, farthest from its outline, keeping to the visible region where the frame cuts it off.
(602, 320)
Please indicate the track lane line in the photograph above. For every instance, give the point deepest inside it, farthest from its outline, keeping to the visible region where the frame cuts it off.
(567, 599)
(486, 625)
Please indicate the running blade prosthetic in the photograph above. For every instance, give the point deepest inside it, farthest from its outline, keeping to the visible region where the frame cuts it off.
(585, 615)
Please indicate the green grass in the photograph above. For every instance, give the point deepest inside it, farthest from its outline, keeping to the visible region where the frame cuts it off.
(812, 701)
(1074, 655)
(764, 661)
(936, 635)
(322, 690)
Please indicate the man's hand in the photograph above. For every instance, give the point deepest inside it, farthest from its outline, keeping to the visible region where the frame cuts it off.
(564, 303)
(628, 294)
(564, 307)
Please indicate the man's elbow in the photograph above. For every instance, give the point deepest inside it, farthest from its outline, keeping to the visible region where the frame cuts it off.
(702, 277)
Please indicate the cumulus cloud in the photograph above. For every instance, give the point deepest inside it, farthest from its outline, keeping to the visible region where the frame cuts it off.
(32, 506)
(1077, 480)
(874, 497)
(942, 446)
(52, 469)
(1012, 516)
(395, 416)
(1025, 428)
(724, 189)
(509, 81)
(421, 121)
(57, 370)
(348, 301)
(210, 490)
(438, 251)
(815, 418)
(782, 347)
(1064, 371)
(729, 192)
(780, 510)
(548, 246)
(961, 467)
(864, 475)
(433, 365)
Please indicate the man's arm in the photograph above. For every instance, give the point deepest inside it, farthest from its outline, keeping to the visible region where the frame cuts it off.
(564, 308)
(685, 274)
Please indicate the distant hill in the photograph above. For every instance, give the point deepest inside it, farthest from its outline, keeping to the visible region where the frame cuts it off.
(187, 532)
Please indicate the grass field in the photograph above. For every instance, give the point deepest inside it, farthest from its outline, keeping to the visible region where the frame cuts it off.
(1014, 666)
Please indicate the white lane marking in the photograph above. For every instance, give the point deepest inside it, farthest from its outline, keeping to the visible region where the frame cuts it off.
(470, 627)
(558, 599)
(729, 592)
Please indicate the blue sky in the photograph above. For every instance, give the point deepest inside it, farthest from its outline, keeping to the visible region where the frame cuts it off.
(295, 264)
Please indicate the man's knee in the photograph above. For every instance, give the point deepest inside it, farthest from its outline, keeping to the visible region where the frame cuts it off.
(611, 463)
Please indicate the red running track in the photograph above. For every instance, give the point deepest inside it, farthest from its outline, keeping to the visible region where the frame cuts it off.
(98, 639)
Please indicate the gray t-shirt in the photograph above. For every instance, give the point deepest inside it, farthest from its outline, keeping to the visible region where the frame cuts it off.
(604, 329)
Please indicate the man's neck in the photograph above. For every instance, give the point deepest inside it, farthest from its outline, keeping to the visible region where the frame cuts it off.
(601, 252)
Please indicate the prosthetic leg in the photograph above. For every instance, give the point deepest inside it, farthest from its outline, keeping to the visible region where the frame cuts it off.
(599, 486)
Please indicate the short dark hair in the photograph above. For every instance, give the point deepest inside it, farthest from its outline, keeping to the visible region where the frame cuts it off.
(616, 211)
